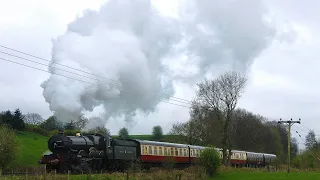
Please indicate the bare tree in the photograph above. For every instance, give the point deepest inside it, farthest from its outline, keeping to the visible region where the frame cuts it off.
(81, 122)
(186, 130)
(33, 118)
(221, 96)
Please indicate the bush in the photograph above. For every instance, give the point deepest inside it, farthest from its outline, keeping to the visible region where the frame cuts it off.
(9, 146)
(210, 160)
(66, 132)
(37, 129)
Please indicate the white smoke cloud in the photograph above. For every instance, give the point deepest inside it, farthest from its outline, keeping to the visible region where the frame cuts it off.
(225, 34)
(124, 41)
(127, 41)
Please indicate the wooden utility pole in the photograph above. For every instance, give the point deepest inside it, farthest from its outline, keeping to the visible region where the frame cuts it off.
(289, 123)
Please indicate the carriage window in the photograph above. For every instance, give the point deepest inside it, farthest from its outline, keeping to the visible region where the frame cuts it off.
(180, 152)
(160, 150)
(150, 150)
(145, 150)
(184, 152)
(155, 150)
(172, 152)
(165, 151)
(191, 152)
(176, 152)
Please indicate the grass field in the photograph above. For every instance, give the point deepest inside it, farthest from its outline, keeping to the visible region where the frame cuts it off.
(32, 147)
(267, 176)
(186, 176)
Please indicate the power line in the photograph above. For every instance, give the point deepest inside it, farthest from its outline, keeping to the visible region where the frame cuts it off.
(71, 77)
(69, 71)
(37, 57)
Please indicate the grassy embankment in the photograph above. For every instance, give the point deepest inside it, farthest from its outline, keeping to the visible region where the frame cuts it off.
(189, 174)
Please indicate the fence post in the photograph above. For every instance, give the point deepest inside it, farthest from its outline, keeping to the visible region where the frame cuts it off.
(127, 176)
(0, 172)
(45, 172)
(26, 173)
(68, 174)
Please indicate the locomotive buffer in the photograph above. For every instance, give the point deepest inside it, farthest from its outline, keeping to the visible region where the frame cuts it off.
(289, 123)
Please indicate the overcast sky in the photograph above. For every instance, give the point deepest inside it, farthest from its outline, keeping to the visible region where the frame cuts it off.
(282, 75)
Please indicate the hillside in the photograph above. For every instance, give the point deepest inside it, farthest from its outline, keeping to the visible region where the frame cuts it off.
(34, 145)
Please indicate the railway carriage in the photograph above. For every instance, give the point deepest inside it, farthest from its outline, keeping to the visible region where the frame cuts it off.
(158, 152)
(238, 158)
(255, 159)
(269, 158)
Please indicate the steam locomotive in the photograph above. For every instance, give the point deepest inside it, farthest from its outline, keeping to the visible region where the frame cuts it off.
(90, 152)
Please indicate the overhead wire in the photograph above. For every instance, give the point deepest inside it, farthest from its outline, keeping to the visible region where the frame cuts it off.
(177, 99)
(69, 77)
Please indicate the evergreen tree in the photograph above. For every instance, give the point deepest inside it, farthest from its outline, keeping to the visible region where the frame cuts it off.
(123, 133)
(311, 142)
(157, 133)
(18, 122)
(7, 118)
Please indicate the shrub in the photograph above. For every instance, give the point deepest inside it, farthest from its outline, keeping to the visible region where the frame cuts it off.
(36, 129)
(9, 146)
(210, 160)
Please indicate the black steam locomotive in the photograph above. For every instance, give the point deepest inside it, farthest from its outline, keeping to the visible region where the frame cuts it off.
(82, 153)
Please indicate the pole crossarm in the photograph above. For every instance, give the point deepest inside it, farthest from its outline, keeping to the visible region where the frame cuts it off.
(289, 123)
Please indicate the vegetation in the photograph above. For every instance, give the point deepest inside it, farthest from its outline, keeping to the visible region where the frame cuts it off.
(310, 158)
(157, 133)
(220, 96)
(33, 146)
(210, 160)
(12, 120)
(192, 173)
(123, 133)
(214, 119)
(9, 146)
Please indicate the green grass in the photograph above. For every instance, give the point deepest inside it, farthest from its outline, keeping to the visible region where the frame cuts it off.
(32, 147)
(267, 176)
(187, 175)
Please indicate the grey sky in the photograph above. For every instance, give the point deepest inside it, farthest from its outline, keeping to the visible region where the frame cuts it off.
(282, 79)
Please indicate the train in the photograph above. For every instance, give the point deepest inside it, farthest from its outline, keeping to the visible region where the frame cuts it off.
(96, 152)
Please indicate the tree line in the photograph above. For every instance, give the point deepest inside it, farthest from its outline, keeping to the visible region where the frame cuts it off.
(34, 122)
(215, 119)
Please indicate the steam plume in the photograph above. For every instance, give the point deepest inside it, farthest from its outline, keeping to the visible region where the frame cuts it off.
(124, 41)
(127, 40)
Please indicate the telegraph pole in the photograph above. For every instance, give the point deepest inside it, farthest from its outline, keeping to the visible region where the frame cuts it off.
(289, 123)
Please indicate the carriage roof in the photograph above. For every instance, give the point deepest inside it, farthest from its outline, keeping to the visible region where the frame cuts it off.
(157, 143)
